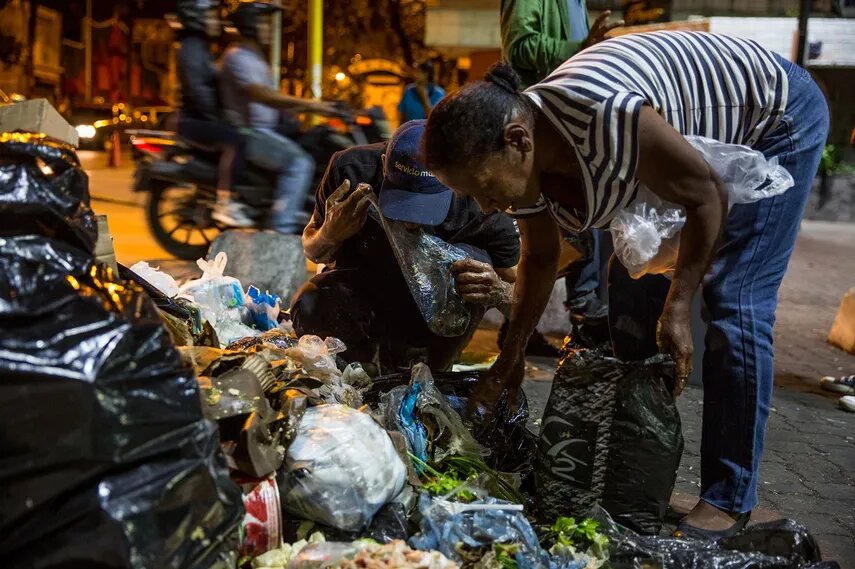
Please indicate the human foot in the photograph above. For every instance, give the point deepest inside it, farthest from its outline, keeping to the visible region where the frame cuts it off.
(705, 521)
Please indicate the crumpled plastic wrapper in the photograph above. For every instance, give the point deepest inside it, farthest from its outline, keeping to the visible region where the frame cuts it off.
(425, 262)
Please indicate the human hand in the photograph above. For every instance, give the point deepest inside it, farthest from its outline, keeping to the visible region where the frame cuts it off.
(674, 337)
(346, 214)
(478, 283)
(506, 374)
(601, 27)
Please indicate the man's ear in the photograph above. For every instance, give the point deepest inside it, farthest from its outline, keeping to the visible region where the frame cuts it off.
(518, 137)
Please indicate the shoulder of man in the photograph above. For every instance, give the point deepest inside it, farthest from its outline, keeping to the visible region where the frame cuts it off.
(360, 164)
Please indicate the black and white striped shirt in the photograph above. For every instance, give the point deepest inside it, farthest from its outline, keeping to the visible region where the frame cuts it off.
(724, 88)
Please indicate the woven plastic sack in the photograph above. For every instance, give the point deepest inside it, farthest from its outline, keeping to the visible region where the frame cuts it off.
(611, 435)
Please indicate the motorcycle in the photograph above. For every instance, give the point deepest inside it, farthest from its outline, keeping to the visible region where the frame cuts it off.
(181, 178)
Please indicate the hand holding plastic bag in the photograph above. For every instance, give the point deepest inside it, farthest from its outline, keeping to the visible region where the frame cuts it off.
(647, 233)
(425, 262)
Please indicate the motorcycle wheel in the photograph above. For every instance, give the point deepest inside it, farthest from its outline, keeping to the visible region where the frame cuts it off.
(180, 220)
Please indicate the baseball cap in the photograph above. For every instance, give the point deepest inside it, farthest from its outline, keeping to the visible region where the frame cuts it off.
(409, 192)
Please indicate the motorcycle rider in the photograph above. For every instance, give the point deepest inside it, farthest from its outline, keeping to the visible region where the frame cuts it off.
(200, 120)
(253, 104)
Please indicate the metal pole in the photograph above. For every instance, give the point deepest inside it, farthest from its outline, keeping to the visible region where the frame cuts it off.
(316, 40)
(87, 50)
(276, 46)
(804, 14)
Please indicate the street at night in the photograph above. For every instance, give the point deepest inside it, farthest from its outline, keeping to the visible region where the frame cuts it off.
(443, 284)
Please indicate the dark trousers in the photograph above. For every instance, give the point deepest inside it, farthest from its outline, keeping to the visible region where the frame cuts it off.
(377, 319)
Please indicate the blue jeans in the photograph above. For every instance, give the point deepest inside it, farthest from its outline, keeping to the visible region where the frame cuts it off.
(583, 276)
(740, 295)
(295, 167)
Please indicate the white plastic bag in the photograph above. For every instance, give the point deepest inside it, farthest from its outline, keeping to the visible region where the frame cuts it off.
(341, 468)
(156, 278)
(646, 234)
(220, 300)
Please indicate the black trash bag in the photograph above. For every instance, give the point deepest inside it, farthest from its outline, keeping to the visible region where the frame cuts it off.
(782, 544)
(101, 429)
(504, 433)
(611, 435)
(43, 191)
(107, 461)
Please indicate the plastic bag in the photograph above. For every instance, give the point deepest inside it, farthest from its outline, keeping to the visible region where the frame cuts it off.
(503, 433)
(107, 459)
(646, 233)
(220, 300)
(44, 191)
(455, 529)
(409, 408)
(425, 262)
(611, 435)
(781, 544)
(157, 278)
(340, 469)
(264, 309)
(316, 357)
(111, 461)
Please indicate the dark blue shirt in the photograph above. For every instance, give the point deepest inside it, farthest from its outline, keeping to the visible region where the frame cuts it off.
(410, 108)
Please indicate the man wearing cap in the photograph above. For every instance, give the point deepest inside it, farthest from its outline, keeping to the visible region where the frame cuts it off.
(362, 297)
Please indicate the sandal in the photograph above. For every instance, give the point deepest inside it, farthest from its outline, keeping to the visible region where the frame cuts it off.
(686, 531)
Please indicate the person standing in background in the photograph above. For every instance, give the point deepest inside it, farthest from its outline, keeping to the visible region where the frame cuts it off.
(537, 37)
(421, 95)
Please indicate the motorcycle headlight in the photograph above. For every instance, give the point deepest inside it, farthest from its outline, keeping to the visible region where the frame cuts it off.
(85, 131)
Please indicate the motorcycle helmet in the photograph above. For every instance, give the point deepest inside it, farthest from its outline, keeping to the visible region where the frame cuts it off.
(245, 16)
(193, 15)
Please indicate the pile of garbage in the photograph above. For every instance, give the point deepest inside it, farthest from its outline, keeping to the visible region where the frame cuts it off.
(151, 424)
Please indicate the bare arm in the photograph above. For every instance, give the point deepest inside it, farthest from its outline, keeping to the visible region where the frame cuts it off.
(535, 279)
(273, 98)
(690, 182)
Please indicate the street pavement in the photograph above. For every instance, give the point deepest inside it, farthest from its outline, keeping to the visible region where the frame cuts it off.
(808, 470)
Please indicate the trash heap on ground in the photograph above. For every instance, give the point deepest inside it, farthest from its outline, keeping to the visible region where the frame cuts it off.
(147, 424)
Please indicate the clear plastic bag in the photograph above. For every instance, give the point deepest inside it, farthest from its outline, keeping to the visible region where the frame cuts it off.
(425, 262)
(340, 469)
(220, 300)
(454, 529)
(156, 278)
(316, 357)
(646, 234)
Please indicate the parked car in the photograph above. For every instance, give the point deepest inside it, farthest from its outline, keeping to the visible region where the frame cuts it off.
(96, 122)
(151, 117)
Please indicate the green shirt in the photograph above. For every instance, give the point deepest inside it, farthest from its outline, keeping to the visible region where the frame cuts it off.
(536, 37)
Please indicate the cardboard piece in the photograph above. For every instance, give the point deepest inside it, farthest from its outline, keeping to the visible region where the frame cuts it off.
(842, 332)
(104, 252)
(37, 116)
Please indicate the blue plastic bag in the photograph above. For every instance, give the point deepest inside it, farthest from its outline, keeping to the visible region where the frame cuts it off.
(445, 526)
(264, 308)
